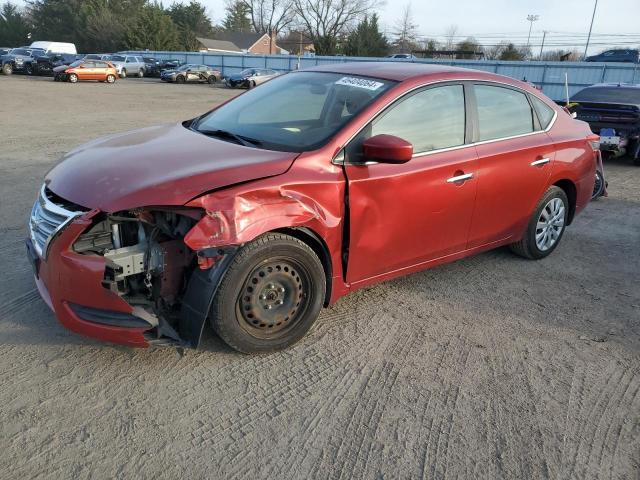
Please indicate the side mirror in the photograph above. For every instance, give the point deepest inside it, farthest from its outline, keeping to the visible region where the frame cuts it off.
(387, 149)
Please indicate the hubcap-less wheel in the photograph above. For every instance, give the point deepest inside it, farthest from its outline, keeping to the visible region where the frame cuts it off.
(274, 297)
(550, 224)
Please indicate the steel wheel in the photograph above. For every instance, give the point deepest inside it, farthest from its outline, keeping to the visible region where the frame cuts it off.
(274, 298)
(550, 224)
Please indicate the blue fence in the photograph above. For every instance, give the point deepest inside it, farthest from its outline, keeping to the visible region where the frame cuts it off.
(548, 75)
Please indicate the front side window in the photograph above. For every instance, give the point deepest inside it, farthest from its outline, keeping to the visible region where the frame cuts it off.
(295, 112)
(430, 120)
(502, 112)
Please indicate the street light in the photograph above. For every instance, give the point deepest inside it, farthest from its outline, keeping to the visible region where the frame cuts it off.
(531, 18)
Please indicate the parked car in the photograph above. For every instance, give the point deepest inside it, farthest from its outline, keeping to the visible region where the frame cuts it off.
(191, 73)
(18, 59)
(97, 56)
(170, 64)
(80, 70)
(612, 110)
(44, 65)
(406, 56)
(250, 77)
(152, 66)
(128, 65)
(256, 214)
(626, 55)
(4, 51)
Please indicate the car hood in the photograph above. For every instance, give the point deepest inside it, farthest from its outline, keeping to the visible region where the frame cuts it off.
(169, 72)
(60, 68)
(162, 165)
(237, 78)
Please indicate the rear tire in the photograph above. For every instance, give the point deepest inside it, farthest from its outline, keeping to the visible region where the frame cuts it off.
(270, 295)
(598, 186)
(546, 227)
(123, 74)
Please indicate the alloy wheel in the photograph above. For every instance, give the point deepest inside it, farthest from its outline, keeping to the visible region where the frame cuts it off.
(550, 224)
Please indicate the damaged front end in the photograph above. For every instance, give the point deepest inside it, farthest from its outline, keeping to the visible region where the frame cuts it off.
(148, 265)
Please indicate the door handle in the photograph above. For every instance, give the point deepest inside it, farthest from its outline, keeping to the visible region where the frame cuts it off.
(542, 161)
(460, 178)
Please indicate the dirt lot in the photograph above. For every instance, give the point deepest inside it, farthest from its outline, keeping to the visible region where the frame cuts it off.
(491, 367)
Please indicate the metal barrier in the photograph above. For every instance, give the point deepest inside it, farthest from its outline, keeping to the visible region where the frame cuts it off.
(548, 75)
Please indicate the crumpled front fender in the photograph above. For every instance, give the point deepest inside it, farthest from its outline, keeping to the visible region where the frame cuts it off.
(237, 219)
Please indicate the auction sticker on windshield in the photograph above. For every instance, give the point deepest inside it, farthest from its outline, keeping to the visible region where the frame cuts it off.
(359, 83)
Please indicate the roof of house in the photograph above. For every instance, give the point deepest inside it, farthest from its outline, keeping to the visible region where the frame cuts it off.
(239, 40)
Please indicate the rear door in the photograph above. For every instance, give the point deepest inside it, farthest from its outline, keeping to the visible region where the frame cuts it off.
(405, 215)
(515, 156)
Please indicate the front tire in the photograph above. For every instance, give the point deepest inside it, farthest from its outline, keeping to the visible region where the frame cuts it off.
(123, 74)
(7, 69)
(140, 73)
(546, 226)
(111, 78)
(270, 295)
(73, 78)
(211, 80)
(179, 79)
(28, 69)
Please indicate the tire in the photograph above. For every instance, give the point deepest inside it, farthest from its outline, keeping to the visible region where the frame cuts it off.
(7, 69)
(598, 186)
(555, 206)
(140, 73)
(111, 78)
(28, 69)
(252, 84)
(270, 295)
(211, 80)
(73, 78)
(123, 74)
(56, 77)
(179, 79)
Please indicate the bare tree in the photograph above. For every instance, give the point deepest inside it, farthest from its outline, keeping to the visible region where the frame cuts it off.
(326, 21)
(450, 37)
(270, 16)
(406, 31)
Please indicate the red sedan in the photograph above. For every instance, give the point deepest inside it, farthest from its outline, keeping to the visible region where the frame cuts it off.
(256, 214)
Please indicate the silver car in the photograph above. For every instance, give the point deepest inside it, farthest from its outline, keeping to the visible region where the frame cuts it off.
(128, 65)
(250, 77)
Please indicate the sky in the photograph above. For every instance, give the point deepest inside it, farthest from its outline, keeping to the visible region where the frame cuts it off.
(617, 22)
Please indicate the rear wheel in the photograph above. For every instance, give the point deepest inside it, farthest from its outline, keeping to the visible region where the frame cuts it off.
(140, 73)
(546, 226)
(598, 186)
(73, 78)
(111, 78)
(270, 295)
(123, 74)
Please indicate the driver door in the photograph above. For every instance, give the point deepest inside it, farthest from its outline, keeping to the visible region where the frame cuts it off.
(406, 215)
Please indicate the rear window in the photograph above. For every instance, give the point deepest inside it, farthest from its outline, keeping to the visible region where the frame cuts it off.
(608, 95)
(502, 112)
(544, 111)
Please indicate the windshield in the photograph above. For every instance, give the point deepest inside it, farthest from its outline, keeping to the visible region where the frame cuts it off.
(608, 95)
(184, 67)
(19, 51)
(295, 112)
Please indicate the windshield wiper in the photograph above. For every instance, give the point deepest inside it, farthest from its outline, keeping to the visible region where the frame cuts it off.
(240, 139)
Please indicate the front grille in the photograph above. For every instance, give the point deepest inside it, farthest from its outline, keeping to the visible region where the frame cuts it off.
(49, 215)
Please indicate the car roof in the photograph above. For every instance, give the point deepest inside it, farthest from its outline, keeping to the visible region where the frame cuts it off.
(401, 71)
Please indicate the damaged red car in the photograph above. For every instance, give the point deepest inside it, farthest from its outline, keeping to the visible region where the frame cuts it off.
(255, 215)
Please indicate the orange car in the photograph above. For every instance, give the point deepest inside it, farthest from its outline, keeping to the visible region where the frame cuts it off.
(86, 70)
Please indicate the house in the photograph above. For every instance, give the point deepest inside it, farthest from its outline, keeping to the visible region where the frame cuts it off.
(240, 42)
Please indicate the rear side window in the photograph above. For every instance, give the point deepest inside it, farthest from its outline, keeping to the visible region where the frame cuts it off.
(430, 120)
(544, 111)
(502, 112)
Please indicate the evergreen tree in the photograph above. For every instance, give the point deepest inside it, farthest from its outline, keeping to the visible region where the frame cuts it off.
(192, 21)
(237, 17)
(14, 27)
(367, 40)
(152, 29)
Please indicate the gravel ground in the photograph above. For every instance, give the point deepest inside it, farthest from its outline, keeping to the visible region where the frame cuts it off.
(490, 367)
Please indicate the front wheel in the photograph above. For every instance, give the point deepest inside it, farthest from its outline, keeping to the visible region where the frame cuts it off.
(7, 69)
(140, 73)
(28, 69)
(111, 78)
(73, 78)
(211, 80)
(123, 74)
(270, 295)
(179, 79)
(546, 226)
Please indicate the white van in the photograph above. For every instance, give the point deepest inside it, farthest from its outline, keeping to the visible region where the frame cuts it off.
(56, 47)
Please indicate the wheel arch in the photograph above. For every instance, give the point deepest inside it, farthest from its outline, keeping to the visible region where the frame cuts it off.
(571, 192)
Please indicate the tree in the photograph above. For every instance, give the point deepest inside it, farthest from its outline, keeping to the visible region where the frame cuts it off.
(58, 19)
(192, 21)
(326, 21)
(450, 37)
(237, 17)
(367, 40)
(468, 45)
(511, 52)
(14, 27)
(270, 16)
(406, 32)
(152, 29)
(105, 29)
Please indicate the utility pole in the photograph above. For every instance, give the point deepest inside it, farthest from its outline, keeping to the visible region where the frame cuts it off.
(590, 28)
(531, 19)
(544, 35)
